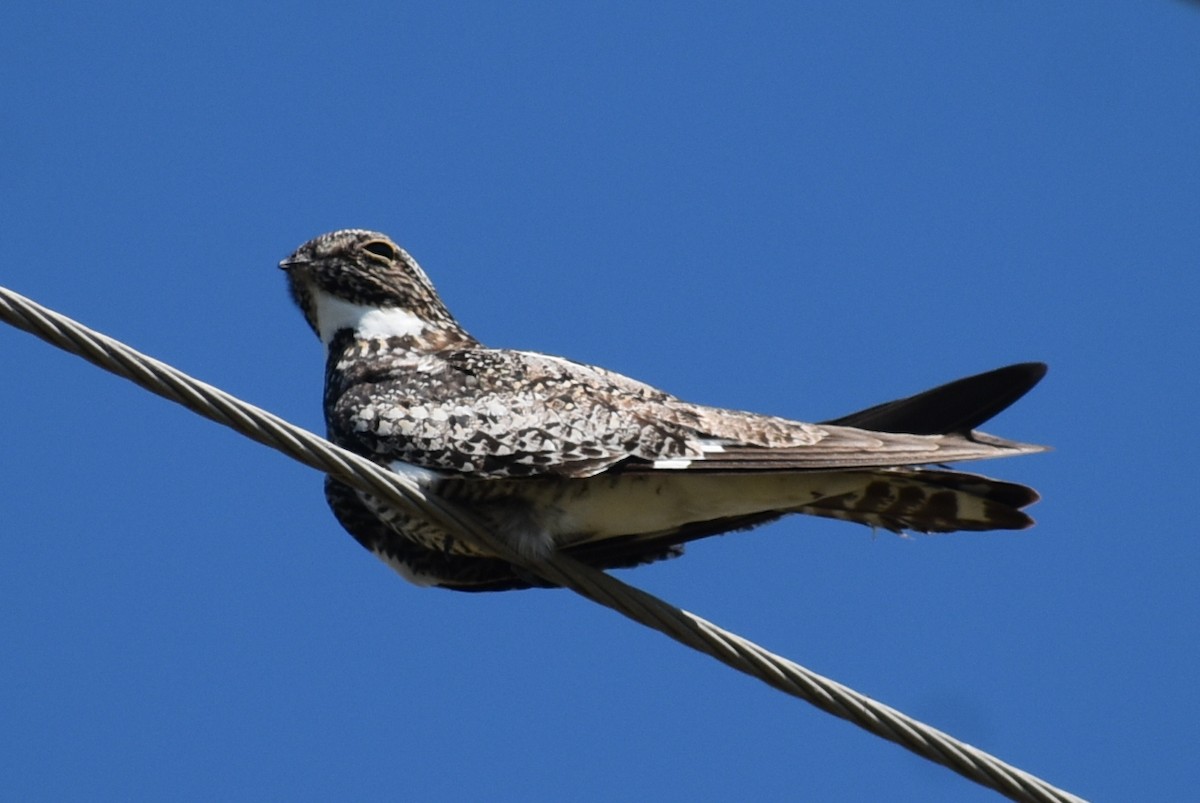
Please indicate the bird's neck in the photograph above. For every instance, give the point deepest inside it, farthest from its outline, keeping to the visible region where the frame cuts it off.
(335, 316)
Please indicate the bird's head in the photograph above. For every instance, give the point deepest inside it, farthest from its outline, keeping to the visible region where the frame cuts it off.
(361, 280)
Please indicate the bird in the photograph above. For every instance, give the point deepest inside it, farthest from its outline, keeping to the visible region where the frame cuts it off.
(557, 455)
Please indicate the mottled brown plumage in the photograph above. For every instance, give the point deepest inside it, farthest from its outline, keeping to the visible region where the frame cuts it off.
(555, 454)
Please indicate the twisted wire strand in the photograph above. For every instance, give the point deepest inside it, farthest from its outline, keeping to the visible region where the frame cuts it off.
(646, 609)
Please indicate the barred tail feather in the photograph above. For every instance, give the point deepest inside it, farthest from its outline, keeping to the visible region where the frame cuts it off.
(930, 501)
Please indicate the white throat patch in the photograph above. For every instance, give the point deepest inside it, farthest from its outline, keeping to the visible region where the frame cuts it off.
(334, 314)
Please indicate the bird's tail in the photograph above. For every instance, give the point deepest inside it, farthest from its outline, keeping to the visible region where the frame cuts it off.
(936, 501)
(927, 501)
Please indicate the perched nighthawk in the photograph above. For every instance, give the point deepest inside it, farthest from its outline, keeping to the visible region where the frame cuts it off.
(554, 454)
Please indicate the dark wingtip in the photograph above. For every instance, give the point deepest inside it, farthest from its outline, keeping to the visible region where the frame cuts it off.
(956, 407)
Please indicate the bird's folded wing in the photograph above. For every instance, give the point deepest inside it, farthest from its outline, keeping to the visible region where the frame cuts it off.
(493, 413)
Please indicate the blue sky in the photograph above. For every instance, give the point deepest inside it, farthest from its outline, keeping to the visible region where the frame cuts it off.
(800, 209)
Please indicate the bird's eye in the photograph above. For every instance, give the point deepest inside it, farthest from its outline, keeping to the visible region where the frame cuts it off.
(379, 248)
